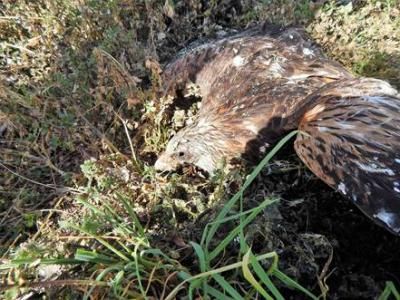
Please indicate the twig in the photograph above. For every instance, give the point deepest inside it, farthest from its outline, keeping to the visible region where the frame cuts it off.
(134, 157)
(100, 134)
(324, 275)
(49, 186)
(165, 284)
(5, 44)
(53, 283)
(81, 237)
(11, 246)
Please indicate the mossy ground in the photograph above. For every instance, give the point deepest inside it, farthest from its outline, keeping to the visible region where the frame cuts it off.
(82, 119)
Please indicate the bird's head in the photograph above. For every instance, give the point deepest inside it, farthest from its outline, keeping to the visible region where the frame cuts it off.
(197, 144)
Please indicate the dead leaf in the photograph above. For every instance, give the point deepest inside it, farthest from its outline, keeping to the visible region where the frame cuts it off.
(179, 241)
(168, 9)
(133, 101)
(153, 66)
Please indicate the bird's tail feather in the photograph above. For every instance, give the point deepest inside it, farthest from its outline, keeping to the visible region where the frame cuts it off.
(351, 140)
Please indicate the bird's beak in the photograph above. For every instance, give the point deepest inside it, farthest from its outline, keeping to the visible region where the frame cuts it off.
(165, 163)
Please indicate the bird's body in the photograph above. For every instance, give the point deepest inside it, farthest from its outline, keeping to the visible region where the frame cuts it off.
(256, 82)
(259, 84)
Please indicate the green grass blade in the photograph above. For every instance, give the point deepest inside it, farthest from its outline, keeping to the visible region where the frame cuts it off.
(242, 240)
(209, 234)
(93, 257)
(233, 233)
(111, 213)
(390, 289)
(200, 255)
(202, 262)
(90, 206)
(250, 278)
(291, 283)
(116, 284)
(187, 278)
(134, 217)
(136, 256)
(218, 295)
(264, 277)
(99, 278)
(233, 217)
(100, 240)
(43, 261)
(267, 158)
(227, 287)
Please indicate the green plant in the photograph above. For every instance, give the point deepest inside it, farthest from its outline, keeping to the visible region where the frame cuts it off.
(390, 290)
(126, 263)
(210, 275)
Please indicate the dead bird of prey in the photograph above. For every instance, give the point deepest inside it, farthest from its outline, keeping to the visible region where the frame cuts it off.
(259, 84)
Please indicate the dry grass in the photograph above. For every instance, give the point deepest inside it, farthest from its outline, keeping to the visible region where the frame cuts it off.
(365, 38)
(80, 81)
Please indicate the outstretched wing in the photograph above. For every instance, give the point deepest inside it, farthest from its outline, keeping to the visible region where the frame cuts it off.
(222, 68)
(351, 141)
(255, 81)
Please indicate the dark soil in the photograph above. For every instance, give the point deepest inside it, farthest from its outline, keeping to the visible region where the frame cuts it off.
(364, 255)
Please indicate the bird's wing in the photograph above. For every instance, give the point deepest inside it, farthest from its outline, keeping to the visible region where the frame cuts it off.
(262, 86)
(260, 54)
(351, 141)
(253, 84)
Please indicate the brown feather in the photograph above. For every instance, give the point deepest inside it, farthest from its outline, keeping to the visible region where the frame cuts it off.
(352, 142)
(261, 83)
(254, 77)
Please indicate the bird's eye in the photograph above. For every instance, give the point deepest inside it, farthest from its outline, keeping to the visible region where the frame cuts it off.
(181, 154)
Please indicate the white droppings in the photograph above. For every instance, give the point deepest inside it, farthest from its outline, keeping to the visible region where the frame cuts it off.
(251, 127)
(368, 191)
(374, 169)
(346, 126)
(386, 88)
(207, 163)
(299, 76)
(380, 100)
(307, 51)
(375, 157)
(293, 48)
(323, 129)
(238, 61)
(397, 160)
(276, 68)
(312, 114)
(369, 85)
(388, 218)
(342, 188)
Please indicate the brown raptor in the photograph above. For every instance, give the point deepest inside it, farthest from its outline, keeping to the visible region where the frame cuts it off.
(261, 83)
